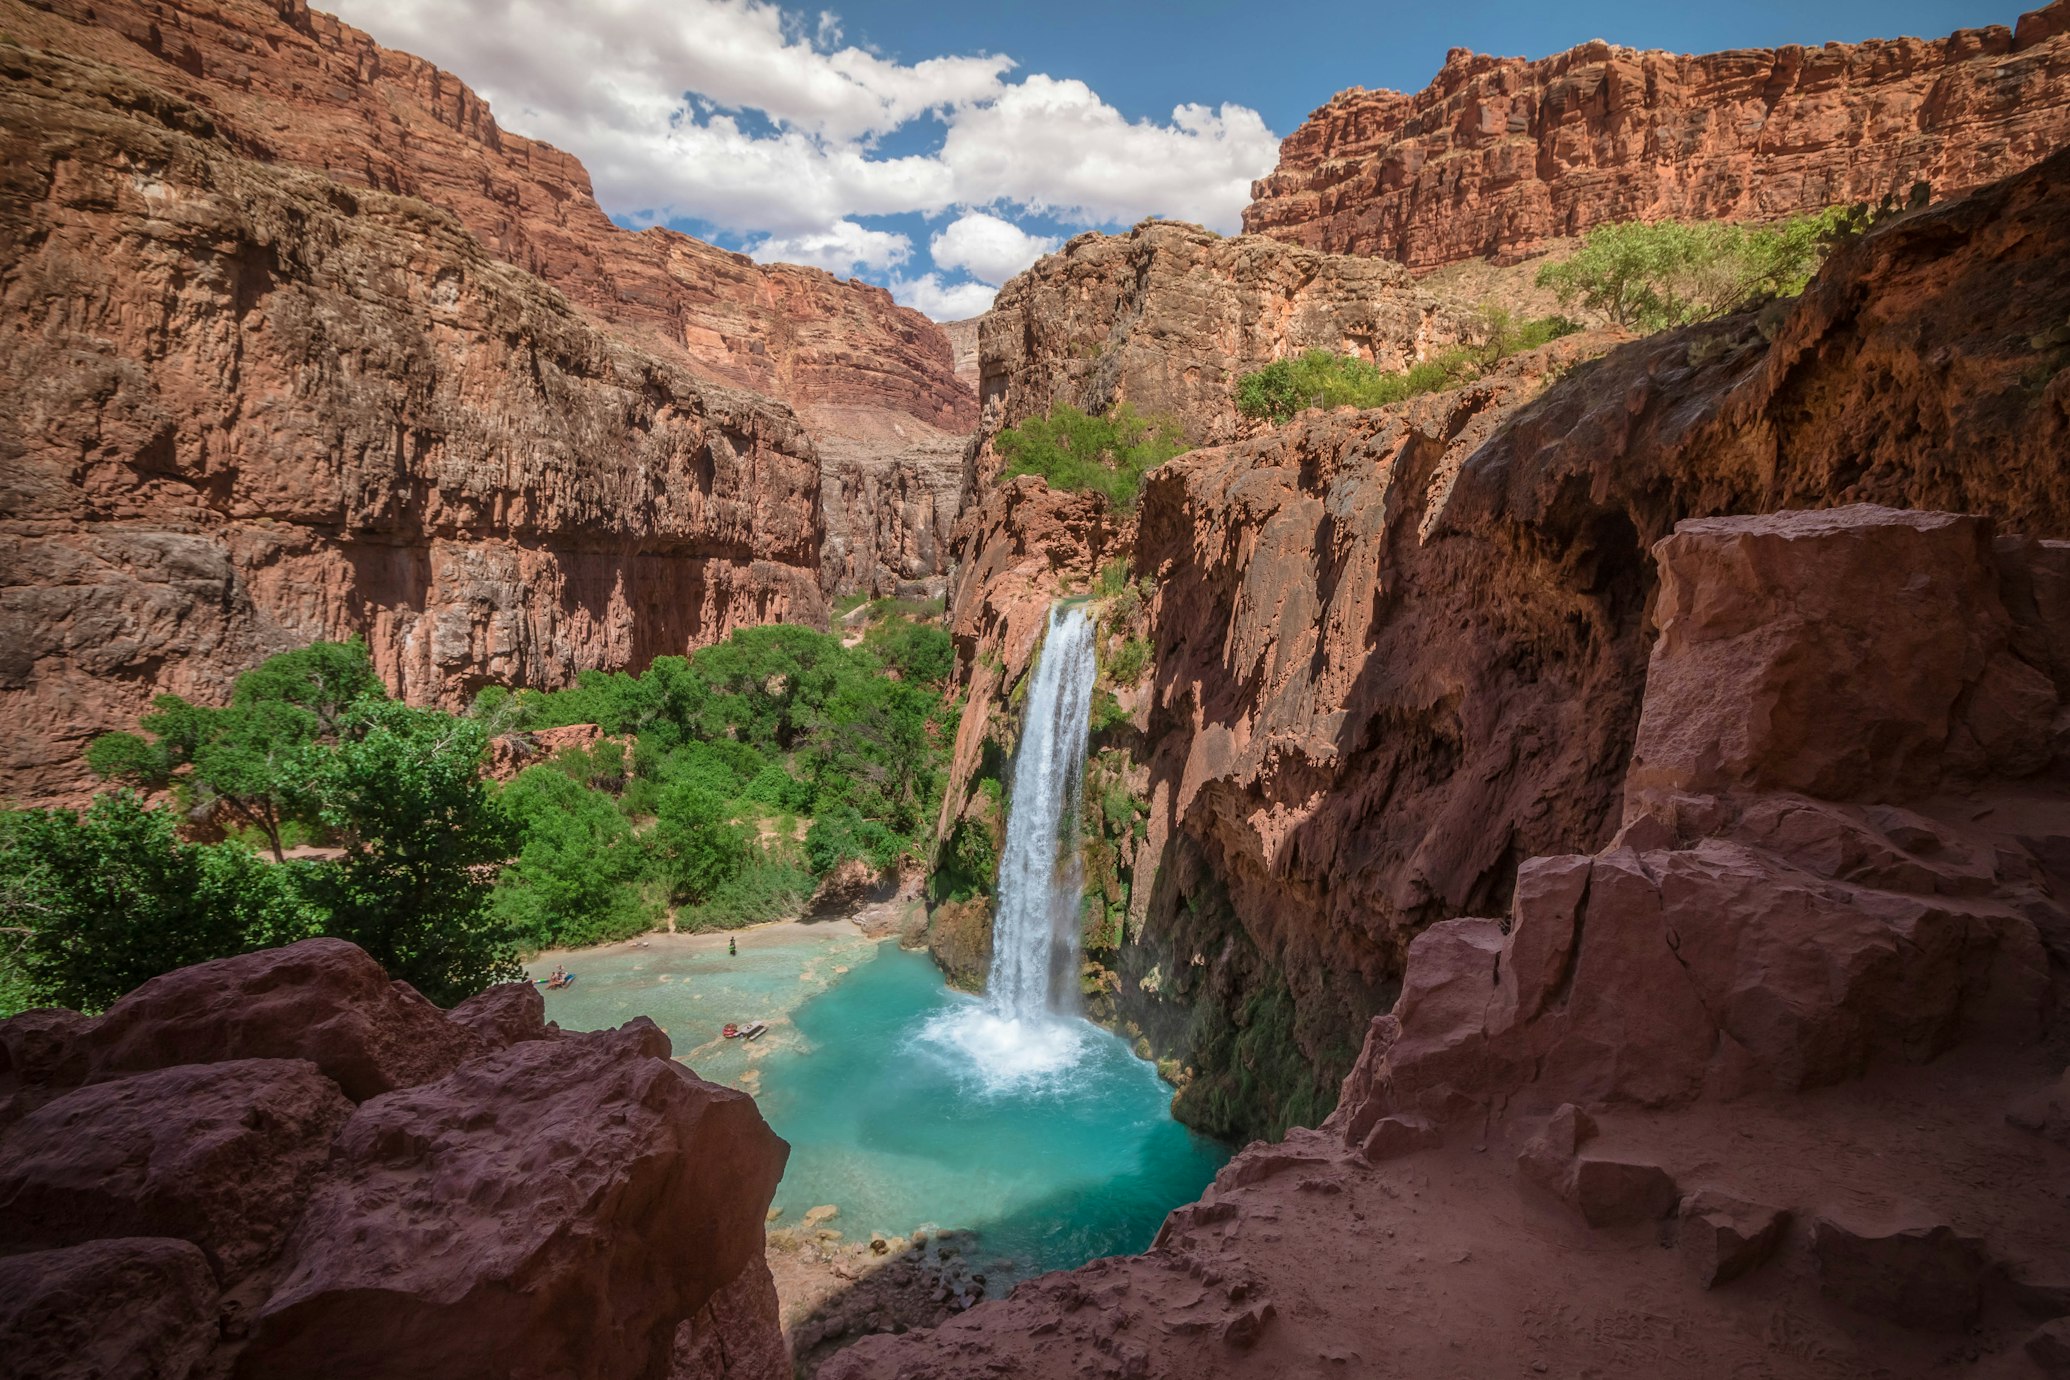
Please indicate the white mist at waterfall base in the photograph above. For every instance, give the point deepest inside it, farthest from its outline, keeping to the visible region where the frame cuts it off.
(1025, 1032)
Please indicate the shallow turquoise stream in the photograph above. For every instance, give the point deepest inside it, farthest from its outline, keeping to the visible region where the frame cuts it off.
(906, 1106)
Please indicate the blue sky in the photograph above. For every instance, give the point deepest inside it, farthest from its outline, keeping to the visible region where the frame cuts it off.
(939, 149)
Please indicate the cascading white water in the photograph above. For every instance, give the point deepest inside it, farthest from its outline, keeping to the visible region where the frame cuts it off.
(1024, 1031)
(1041, 877)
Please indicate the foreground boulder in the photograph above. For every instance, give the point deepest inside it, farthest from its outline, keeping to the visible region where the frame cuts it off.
(121, 1307)
(187, 1188)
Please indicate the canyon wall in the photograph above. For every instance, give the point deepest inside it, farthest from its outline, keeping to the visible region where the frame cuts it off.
(1762, 1087)
(1497, 156)
(253, 407)
(312, 347)
(1168, 316)
(286, 84)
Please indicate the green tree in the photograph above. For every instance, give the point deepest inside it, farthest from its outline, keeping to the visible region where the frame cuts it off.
(325, 679)
(699, 847)
(402, 791)
(1108, 454)
(576, 876)
(104, 901)
(1658, 275)
(247, 760)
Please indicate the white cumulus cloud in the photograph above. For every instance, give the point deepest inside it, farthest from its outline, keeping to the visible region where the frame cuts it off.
(987, 248)
(931, 297)
(1057, 147)
(842, 249)
(767, 124)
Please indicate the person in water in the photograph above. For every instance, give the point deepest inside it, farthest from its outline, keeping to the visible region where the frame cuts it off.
(732, 949)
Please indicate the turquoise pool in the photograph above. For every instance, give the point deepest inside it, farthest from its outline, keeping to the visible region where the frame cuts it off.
(907, 1105)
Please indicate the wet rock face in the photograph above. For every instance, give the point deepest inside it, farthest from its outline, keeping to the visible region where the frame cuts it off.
(1168, 316)
(259, 408)
(513, 1200)
(1499, 155)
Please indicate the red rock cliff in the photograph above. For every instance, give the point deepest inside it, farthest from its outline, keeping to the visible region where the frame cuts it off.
(288, 84)
(1498, 155)
(1167, 316)
(1397, 652)
(251, 406)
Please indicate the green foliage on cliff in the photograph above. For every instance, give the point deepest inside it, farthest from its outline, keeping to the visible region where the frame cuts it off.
(1108, 454)
(1319, 378)
(1652, 277)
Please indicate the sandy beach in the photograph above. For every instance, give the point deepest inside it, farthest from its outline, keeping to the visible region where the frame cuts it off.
(703, 941)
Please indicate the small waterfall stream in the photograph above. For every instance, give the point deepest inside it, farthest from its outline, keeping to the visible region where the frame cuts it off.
(1026, 1031)
(1041, 876)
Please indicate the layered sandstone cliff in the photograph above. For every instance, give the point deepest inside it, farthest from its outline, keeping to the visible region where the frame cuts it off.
(1497, 156)
(286, 84)
(1168, 316)
(284, 1164)
(317, 348)
(254, 407)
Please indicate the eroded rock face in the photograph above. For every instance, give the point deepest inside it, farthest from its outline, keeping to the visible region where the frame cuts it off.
(256, 407)
(129, 1306)
(1497, 156)
(891, 512)
(291, 85)
(1168, 316)
(451, 1229)
(517, 1200)
(321, 1000)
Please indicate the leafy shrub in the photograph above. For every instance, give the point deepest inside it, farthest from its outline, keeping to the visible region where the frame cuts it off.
(774, 883)
(576, 877)
(1650, 277)
(1129, 661)
(310, 744)
(1322, 379)
(1108, 455)
(699, 846)
(401, 790)
(108, 899)
(842, 833)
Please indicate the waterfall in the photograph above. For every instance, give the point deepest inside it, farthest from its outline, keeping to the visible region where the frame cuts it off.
(1023, 1034)
(1041, 876)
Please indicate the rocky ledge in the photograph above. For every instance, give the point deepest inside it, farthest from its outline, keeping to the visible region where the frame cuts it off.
(285, 1164)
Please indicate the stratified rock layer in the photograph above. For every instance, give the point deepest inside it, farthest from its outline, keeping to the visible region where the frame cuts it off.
(291, 85)
(1499, 155)
(1168, 316)
(528, 1203)
(254, 407)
